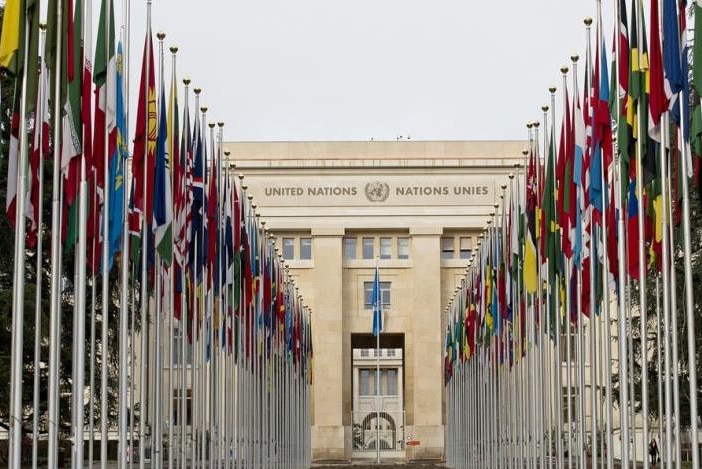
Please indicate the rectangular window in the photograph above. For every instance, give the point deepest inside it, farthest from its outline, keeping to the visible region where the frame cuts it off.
(391, 352)
(178, 411)
(177, 351)
(365, 386)
(368, 294)
(391, 382)
(466, 247)
(403, 248)
(564, 347)
(385, 248)
(447, 249)
(288, 248)
(364, 352)
(349, 248)
(306, 248)
(368, 248)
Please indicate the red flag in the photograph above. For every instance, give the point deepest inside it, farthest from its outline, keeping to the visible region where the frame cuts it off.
(145, 135)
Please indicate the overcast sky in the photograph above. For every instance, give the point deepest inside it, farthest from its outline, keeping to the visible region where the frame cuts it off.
(362, 69)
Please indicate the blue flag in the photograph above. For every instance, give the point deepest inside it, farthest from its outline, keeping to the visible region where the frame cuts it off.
(116, 186)
(377, 302)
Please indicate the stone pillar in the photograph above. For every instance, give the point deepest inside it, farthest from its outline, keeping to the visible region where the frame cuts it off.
(328, 435)
(425, 375)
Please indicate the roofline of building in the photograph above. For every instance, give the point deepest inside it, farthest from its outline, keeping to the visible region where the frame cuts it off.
(402, 150)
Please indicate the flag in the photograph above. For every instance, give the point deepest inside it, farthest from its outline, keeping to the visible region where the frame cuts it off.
(697, 53)
(145, 134)
(658, 96)
(72, 129)
(530, 268)
(672, 67)
(377, 302)
(13, 160)
(117, 161)
(163, 202)
(10, 39)
(40, 146)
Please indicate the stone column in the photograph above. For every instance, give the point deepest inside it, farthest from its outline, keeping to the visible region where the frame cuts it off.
(328, 436)
(424, 346)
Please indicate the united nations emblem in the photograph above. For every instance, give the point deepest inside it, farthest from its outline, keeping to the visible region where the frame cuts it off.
(377, 191)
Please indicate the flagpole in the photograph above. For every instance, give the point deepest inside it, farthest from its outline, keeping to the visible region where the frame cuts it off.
(125, 405)
(675, 370)
(17, 368)
(105, 257)
(55, 320)
(144, 294)
(39, 120)
(689, 302)
(377, 312)
(171, 278)
(185, 361)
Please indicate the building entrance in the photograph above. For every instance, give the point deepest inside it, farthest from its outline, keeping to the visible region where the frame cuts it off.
(378, 413)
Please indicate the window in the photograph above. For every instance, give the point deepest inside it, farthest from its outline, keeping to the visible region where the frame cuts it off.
(390, 382)
(403, 248)
(385, 248)
(177, 351)
(564, 338)
(465, 247)
(573, 402)
(391, 352)
(288, 248)
(368, 294)
(368, 248)
(349, 248)
(447, 251)
(364, 352)
(367, 384)
(177, 410)
(306, 248)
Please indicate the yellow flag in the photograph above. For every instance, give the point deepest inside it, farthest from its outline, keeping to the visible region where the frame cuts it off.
(530, 272)
(9, 42)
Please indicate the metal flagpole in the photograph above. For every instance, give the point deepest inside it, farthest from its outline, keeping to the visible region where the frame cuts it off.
(568, 299)
(91, 379)
(144, 296)
(538, 307)
(170, 279)
(642, 266)
(666, 292)
(105, 258)
(41, 112)
(377, 315)
(185, 361)
(17, 368)
(159, 274)
(689, 300)
(675, 370)
(659, 368)
(55, 321)
(124, 404)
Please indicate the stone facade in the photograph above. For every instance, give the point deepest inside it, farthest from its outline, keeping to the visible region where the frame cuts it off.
(420, 205)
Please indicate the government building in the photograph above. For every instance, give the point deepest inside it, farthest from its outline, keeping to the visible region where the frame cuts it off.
(414, 209)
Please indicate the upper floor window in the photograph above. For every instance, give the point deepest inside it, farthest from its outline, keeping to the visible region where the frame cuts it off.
(288, 248)
(305, 248)
(368, 294)
(350, 248)
(465, 247)
(447, 248)
(403, 248)
(385, 248)
(368, 248)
